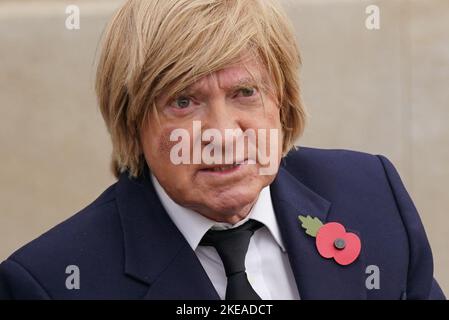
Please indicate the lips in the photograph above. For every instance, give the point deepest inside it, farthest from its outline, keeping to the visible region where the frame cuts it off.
(223, 167)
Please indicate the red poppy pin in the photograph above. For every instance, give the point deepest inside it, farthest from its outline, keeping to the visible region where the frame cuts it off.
(332, 240)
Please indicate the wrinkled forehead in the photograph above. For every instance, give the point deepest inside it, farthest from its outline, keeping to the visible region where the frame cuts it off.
(241, 74)
(247, 71)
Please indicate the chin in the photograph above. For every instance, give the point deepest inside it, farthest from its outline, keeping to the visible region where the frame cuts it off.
(232, 201)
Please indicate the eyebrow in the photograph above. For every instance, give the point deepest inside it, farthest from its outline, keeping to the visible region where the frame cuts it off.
(245, 81)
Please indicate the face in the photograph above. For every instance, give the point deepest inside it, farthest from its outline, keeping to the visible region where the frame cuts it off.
(225, 100)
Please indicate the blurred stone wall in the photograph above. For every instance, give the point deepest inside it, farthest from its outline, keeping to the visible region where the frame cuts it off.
(381, 91)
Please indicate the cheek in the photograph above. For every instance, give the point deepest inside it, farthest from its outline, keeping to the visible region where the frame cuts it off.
(274, 121)
(163, 142)
(271, 115)
(157, 145)
(274, 116)
(270, 120)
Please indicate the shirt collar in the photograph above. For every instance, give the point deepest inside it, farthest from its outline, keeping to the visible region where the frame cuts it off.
(193, 225)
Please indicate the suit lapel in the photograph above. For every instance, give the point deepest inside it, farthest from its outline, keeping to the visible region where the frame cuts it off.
(316, 277)
(156, 253)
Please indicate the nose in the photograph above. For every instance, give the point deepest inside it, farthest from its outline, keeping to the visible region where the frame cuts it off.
(219, 116)
(225, 123)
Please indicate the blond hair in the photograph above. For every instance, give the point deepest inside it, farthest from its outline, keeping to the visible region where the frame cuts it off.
(151, 46)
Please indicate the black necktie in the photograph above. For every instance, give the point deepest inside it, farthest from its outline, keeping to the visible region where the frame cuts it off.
(232, 245)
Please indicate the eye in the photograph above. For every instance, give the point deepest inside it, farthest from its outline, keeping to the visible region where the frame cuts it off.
(247, 92)
(181, 102)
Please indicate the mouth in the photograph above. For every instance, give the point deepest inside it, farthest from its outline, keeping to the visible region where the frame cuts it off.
(223, 168)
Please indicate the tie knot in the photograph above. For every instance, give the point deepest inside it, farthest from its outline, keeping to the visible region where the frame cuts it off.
(232, 245)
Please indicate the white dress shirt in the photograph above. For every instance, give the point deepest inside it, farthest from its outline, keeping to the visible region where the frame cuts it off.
(267, 265)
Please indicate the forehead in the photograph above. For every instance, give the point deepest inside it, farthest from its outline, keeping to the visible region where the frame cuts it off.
(241, 73)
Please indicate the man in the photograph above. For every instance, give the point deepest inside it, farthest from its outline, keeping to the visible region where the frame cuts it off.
(202, 102)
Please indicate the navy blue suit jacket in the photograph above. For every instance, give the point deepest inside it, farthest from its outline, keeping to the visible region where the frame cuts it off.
(126, 246)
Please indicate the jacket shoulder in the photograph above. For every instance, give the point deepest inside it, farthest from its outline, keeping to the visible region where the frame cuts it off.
(84, 240)
(309, 164)
(344, 176)
(320, 157)
(74, 230)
